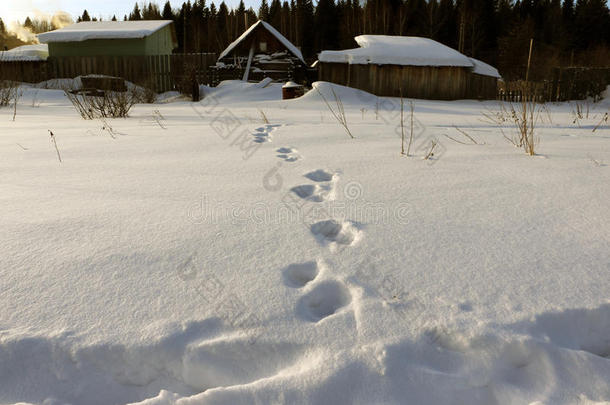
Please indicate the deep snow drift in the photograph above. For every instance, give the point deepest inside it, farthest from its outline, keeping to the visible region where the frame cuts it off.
(245, 250)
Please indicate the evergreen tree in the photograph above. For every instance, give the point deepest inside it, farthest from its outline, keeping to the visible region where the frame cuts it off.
(305, 21)
(275, 14)
(326, 25)
(167, 13)
(263, 11)
(2, 27)
(135, 15)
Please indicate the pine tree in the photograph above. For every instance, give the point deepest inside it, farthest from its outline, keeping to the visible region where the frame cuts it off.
(167, 14)
(240, 15)
(2, 27)
(263, 11)
(135, 15)
(113, 18)
(326, 25)
(275, 14)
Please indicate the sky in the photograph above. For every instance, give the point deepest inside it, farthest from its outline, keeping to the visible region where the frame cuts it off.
(17, 10)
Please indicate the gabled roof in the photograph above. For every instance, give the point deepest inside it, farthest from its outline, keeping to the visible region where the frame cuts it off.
(397, 50)
(293, 49)
(83, 31)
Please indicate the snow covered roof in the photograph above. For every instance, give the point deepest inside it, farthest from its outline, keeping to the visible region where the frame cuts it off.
(396, 50)
(484, 69)
(293, 49)
(83, 31)
(26, 53)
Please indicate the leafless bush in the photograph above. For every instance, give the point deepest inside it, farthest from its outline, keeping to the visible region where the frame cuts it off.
(523, 117)
(106, 104)
(9, 92)
(339, 114)
(146, 92)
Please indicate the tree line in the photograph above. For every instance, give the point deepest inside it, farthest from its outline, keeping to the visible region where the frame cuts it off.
(495, 31)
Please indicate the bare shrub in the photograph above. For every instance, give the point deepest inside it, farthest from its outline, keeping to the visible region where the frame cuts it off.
(146, 92)
(9, 92)
(524, 117)
(105, 104)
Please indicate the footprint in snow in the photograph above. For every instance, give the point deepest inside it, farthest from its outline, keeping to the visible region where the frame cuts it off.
(298, 275)
(263, 134)
(343, 233)
(325, 299)
(313, 192)
(320, 175)
(288, 154)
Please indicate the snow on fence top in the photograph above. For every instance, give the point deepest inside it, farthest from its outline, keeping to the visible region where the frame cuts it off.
(26, 53)
(103, 30)
(484, 69)
(293, 49)
(396, 50)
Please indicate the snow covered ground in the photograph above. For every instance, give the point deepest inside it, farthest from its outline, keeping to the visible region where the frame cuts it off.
(195, 254)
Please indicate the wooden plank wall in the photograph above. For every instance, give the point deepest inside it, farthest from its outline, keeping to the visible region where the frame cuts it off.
(160, 72)
(28, 72)
(439, 83)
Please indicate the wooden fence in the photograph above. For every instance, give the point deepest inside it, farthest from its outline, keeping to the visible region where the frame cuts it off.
(23, 71)
(160, 72)
(572, 83)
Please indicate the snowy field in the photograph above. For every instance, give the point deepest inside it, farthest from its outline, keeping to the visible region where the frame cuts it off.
(195, 254)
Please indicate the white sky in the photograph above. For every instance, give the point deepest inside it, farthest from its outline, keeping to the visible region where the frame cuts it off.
(12, 10)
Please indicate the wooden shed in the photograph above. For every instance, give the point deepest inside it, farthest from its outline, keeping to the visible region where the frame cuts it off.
(138, 51)
(26, 63)
(112, 38)
(261, 51)
(413, 67)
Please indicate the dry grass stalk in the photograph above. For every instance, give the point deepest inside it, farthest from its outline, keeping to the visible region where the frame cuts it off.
(402, 125)
(339, 114)
(604, 119)
(263, 116)
(466, 135)
(412, 107)
(430, 152)
(55, 144)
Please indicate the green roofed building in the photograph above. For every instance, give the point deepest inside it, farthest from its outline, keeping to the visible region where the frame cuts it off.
(112, 38)
(138, 51)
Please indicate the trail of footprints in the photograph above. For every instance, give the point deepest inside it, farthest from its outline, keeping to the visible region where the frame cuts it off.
(327, 296)
(323, 296)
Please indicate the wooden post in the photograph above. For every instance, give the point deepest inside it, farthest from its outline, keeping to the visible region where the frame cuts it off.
(250, 55)
(529, 60)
